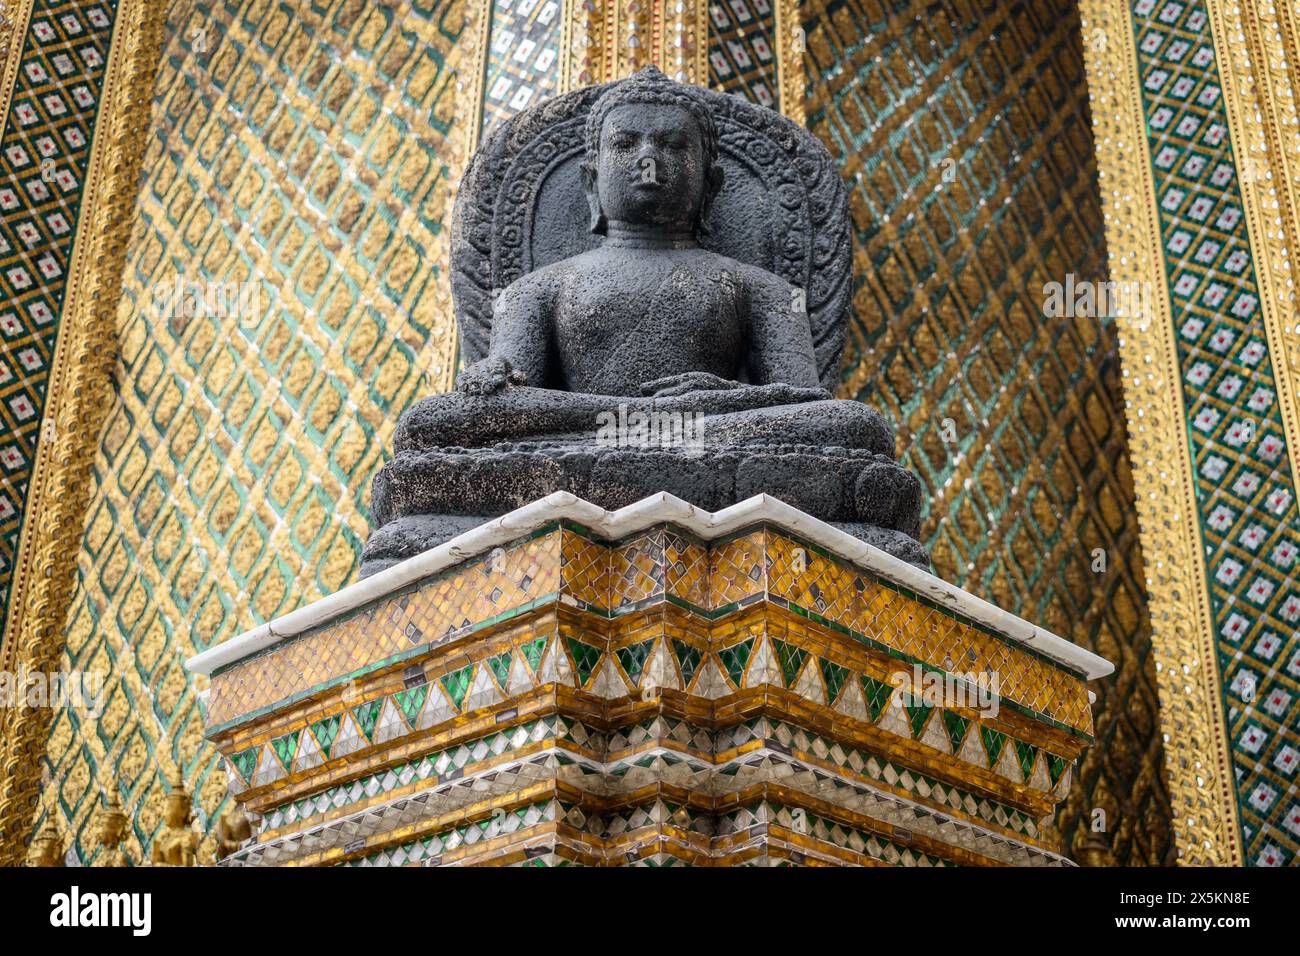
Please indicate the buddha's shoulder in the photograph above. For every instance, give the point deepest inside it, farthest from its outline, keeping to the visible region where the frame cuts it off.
(554, 277)
(540, 276)
(715, 264)
(540, 284)
(753, 277)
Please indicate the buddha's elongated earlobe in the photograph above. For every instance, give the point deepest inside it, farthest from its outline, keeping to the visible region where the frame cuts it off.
(713, 181)
(588, 173)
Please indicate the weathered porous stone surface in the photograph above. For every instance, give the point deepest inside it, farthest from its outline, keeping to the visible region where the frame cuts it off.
(674, 274)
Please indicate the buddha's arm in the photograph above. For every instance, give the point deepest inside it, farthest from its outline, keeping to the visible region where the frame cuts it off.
(779, 335)
(520, 350)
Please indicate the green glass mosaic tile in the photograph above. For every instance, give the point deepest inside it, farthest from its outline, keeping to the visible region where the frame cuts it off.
(994, 741)
(367, 716)
(633, 658)
(834, 675)
(532, 652)
(500, 667)
(956, 726)
(877, 694)
(1025, 755)
(457, 684)
(585, 658)
(791, 658)
(736, 658)
(411, 701)
(917, 715)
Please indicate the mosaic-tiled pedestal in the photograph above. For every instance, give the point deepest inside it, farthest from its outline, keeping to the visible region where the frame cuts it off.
(658, 685)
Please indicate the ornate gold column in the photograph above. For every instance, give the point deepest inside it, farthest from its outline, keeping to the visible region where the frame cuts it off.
(1257, 45)
(77, 400)
(1204, 822)
(604, 41)
(1194, 111)
(14, 17)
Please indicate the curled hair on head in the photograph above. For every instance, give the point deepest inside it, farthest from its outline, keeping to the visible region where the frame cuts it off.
(650, 85)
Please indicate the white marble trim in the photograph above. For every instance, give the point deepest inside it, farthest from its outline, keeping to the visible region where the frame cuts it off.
(653, 510)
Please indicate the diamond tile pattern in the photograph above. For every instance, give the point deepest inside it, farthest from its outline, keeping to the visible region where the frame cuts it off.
(1245, 481)
(962, 132)
(491, 590)
(306, 145)
(742, 55)
(563, 749)
(523, 57)
(43, 157)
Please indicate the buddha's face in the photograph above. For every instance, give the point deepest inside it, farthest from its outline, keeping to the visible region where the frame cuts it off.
(650, 170)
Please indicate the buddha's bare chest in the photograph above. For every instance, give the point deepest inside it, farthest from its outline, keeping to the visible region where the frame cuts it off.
(618, 328)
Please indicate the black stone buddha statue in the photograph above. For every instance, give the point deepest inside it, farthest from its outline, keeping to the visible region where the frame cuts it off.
(666, 355)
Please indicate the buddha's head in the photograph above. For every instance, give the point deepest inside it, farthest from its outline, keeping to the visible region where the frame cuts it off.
(652, 155)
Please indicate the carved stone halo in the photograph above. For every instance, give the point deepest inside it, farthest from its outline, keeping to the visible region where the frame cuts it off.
(783, 208)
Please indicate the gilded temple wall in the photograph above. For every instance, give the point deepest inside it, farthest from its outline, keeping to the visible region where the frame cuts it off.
(72, 76)
(232, 476)
(321, 151)
(964, 139)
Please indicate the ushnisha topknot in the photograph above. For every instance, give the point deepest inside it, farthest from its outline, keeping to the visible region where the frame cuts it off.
(650, 85)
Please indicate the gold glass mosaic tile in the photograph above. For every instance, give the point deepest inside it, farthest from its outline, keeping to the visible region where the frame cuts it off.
(314, 147)
(488, 763)
(629, 693)
(486, 588)
(563, 563)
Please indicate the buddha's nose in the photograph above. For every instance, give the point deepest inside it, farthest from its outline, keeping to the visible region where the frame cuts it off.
(647, 168)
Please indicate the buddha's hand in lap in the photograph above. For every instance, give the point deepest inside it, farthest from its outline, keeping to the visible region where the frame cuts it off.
(793, 394)
(673, 385)
(774, 393)
(488, 376)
